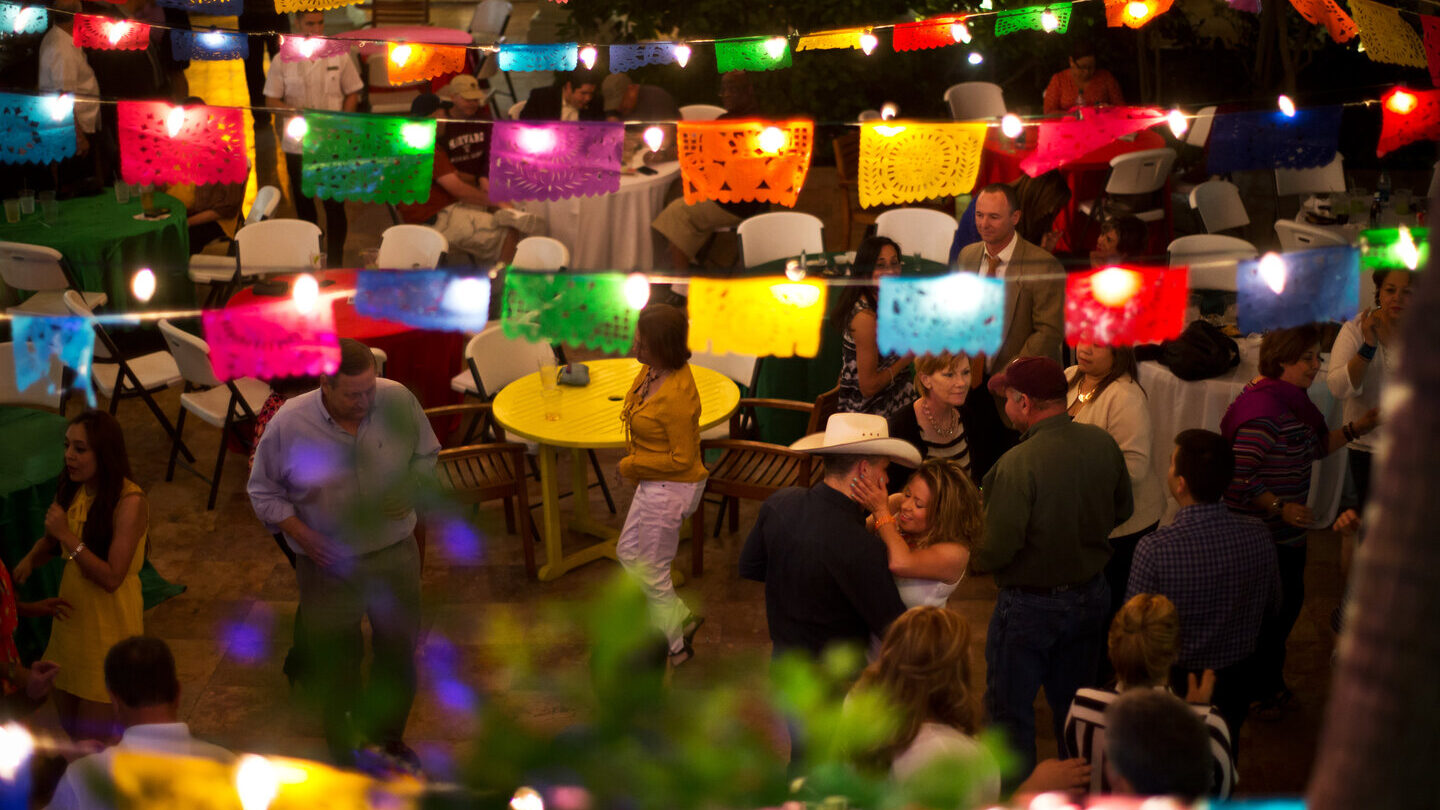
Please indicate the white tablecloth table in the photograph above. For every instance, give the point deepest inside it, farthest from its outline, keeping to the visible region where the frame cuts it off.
(611, 231)
(1177, 405)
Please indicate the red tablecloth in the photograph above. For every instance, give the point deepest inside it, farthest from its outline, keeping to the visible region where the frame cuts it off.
(422, 361)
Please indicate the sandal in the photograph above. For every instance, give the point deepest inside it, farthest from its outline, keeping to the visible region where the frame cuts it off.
(690, 627)
(675, 659)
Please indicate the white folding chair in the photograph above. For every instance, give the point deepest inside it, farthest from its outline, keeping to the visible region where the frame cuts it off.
(779, 235)
(973, 101)
(487, 27)
(1220, 206)
(1199, 131)
(42, 270)
(1142, 172)
(701, 112)
(411, 247)
(923, 231)
(869, 115)
(1211, 259)
(222, 404)
(211, 270)
(37, 394)
(385, 97)
(541, 253)
(743, 369)
(1327, 179)
(1302, 236)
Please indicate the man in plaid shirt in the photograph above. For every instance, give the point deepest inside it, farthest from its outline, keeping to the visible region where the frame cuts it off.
(1218, 568)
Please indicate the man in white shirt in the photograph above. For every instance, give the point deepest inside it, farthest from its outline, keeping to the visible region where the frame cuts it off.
(64, 69)
(332, 84)
(140, 674)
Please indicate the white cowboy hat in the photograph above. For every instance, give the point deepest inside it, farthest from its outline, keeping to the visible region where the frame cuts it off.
(860, 434)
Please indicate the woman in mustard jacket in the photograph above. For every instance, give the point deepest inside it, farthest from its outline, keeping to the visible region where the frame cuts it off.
(662, 440)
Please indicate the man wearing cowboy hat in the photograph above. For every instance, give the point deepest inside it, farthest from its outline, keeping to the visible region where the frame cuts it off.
(827, 579)
(1050, 505)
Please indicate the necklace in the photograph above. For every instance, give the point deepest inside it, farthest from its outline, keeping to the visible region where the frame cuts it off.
(1085, 396)
(946, 431)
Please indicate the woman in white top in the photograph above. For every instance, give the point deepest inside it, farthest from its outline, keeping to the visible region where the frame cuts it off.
(1104, 392)
(1361, 362)
(928, 528)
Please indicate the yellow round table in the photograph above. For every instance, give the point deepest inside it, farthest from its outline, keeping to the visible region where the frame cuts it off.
(590, 419)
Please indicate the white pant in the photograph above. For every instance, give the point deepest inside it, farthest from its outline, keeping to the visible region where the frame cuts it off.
(647, 548)
(480, 233)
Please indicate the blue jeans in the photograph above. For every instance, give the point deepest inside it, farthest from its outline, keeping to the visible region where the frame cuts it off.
(1050, 640)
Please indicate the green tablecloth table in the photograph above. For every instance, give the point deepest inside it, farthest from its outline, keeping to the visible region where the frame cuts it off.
(104, 245)
(34, 448)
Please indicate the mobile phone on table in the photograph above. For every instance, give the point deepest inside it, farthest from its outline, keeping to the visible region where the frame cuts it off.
(646, 170)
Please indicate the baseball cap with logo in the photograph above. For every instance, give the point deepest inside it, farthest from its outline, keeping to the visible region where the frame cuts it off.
(464, 86)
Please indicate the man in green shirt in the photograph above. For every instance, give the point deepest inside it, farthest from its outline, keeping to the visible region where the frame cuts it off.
(1050, 505)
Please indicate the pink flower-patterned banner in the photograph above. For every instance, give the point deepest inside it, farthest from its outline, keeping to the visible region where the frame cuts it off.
(1063, 140)
(272, 340)
(109, 34)
(554, 160)
(300, 49)
(161, 143)
(1123, 306)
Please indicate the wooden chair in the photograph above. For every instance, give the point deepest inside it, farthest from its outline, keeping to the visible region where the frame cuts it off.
(399, 12)
(474, 473)
(755, 470)
(847, 167)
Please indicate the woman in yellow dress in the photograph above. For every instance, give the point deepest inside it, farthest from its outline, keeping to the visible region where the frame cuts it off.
(98, 525)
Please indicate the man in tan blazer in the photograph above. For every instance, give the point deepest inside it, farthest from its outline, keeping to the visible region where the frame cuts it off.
(1034, 296)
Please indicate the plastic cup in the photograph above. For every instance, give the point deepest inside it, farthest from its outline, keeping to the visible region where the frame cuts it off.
(50, 211)
(370, 258)
(550, 399)
(27, 202)
(147, 200)
(122, 193)
(12, 210)
(549, 376)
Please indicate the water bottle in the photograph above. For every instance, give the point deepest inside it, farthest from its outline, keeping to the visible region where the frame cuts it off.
(1382, 188)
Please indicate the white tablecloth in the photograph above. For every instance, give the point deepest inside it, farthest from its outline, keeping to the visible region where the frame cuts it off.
(1177, 405)
(610, 232)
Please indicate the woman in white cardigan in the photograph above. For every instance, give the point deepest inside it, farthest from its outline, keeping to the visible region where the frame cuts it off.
(1104, 392)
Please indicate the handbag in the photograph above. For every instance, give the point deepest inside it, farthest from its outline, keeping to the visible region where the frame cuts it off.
(576, 374)
(1202, 351)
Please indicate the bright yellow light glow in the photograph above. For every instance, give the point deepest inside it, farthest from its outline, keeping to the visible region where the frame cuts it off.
(1137, 10)
(305, 294)
(775, 46)
(256, 782)
(1179, 124)
(654, 138)
(1049, 21)
(175, 121)
(1408, 250)
(682, 54)
(116, 31)
(794, 270)
(526, 799)
(960, 32)
(1286, 106)
(889, 131)
(400, 55)
(418, 136)
(1273, 272)
(587, 57)
(637, 290)
(772, 140)
(1402, 102)
(888, 111)
(1115, 286)
(1010, 125)
(796, 295)
(868, 41)
(296, 129)
(16, 746)
(143, 284)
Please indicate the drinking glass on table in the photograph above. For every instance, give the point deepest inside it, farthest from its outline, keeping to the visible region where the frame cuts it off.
(12, 210)
(122, 193)
(549, 376)
(550, 400)
(27, 202)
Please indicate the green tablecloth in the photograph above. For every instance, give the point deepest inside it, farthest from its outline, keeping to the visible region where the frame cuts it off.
(34, 448)
(805, 378)
(105, 245)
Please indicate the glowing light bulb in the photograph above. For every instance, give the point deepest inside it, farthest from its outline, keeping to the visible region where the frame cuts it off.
(1114, 286)
(296, 129)
(143, 284)
(868, 41)
(800, 296)
(213, 39)
(305, 293)
(537, 140)
(1286, 106)
(1273, 272)
(466, 296)
(1137, 9)
(307, 46)
(775, 46)
(682, 54)
(400, 54)
(61, 106)
(116, 31)
(637, 290)
(772, 140)
(975, 58)
(1011, 126)
(1407, 249)
(175, 121)
(960, 32)
(1052, 801)
(16, 746)
(888, 111)
(1179, 124)
(888, 131)
(24, 17)
(654, 137)
(1401, 102)
(1049, 21)
(794, 270)
(587, 56)
(418, 136)
(256, 782)
(526, 799)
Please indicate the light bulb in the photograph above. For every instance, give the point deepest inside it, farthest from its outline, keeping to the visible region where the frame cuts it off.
(1049, 21)
(654, 138)
(682, 54)
(1114, 286)
(61, 106)
(960, 32)
(400, 54)
(16, 746)
(213, 39)
(772, 140)
(116, 31)
(24, 16)
(536, 140)
(526, 799)
(1179, 124)
(1011, 126)
(587, 57)
(888, 131)
(256, 782)
(868, 41)
(143, 284)
(888, 111)
(1401, 101)
(975, 58)
(175, 121)
(307, 46)
(305, 293)
(1286, 106)
(637, 290)
(775, 46)
(1273, 272)
(468, 297)
(794, 270)
(1407, 249)
(296, 129)
(800, 296)
(1137, 9)
(418, 136)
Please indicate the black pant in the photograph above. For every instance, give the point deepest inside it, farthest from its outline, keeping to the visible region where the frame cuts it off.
(261, 20)
(1269, 672)
(1360, 464)
(203, 234)
(1117, 573)
(1231, 697)
(335, 223)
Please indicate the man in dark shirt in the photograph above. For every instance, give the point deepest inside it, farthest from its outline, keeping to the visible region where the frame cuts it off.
(1050, 505)
(573, 97)
(465, 137)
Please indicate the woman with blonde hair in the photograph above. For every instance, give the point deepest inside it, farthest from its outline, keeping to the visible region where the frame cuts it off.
(1144, 644)
(937, 422)
(928, 528)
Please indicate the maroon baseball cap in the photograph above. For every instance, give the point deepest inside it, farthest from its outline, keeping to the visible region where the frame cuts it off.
(1039, 378)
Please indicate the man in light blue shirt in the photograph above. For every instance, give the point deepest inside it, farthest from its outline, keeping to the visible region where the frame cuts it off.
(337, 471)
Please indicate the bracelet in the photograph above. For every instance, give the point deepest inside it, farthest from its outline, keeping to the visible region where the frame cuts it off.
(1350, 433)
(1366, 351)
(72, 555)
(1276, 507)
(884, 521)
